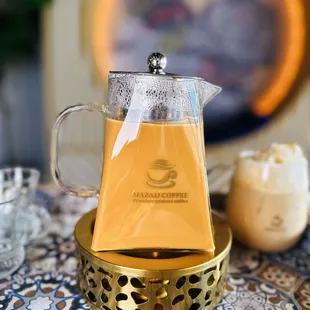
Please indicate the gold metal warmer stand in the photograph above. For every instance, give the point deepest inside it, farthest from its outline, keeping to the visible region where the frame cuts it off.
(151, 281)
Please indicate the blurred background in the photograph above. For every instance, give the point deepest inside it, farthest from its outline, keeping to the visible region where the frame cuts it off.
(56, 53)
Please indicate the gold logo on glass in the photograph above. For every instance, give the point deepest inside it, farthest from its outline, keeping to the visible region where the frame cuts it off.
(161, 175)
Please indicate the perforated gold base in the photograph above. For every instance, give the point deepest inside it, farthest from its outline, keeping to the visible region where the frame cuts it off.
(114, 281)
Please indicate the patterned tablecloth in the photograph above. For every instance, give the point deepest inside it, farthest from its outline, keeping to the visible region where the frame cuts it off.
(46, 280)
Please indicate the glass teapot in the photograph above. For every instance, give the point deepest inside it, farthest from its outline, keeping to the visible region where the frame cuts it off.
(154, 193)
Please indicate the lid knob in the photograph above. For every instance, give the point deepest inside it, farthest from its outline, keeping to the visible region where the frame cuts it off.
(157, 62)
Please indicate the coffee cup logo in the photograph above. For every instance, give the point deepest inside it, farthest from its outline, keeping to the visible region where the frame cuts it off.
(276, 223)
(161, 175)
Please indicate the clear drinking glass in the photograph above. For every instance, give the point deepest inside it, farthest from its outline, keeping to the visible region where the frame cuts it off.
(12, 252)
(32, 218)
(25, 179)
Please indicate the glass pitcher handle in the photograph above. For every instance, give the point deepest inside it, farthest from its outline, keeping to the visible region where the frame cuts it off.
(85, 192)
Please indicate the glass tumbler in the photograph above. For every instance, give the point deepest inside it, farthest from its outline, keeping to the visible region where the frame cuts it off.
(12, 252)
(32, 218)
(25, 179)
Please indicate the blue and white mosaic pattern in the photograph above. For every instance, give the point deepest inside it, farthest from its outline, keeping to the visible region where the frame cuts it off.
(46, 281)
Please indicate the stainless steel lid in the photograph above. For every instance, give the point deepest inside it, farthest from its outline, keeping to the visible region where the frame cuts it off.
(157, 64)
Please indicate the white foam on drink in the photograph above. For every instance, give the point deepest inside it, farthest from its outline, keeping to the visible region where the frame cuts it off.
(280, 154)
(280, 168)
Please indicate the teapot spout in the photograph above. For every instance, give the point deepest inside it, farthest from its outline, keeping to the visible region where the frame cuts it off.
(207, 92)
